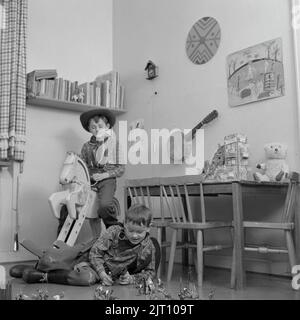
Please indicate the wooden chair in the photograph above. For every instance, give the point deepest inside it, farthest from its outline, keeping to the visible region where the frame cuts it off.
(172, 191)
(139, 192)
(286, 225)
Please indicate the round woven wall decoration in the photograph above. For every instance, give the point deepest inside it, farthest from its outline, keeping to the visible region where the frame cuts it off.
(203, 40)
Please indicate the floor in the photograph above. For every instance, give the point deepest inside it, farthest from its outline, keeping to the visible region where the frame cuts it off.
(216, 281)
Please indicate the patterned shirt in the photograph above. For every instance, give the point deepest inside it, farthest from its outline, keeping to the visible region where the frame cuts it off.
(112, 167)
(115, 254)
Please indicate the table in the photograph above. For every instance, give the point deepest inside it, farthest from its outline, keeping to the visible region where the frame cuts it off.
(234, 188)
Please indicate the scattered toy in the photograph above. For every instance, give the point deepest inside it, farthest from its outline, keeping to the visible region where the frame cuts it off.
(189, 293)
(102, 294)
(42, 294)
(152, 290)
(160, 292)
(211, 294)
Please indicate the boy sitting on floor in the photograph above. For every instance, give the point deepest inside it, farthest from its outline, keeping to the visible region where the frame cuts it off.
(122, 253)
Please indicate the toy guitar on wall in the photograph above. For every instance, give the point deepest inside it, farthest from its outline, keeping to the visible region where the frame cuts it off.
(179, 151)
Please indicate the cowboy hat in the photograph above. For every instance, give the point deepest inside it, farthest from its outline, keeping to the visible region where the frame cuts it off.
(87, 115)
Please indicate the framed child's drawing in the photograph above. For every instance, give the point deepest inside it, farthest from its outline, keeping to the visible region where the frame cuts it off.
(255, 73)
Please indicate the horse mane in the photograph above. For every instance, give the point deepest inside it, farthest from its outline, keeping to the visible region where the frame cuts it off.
(84, 166)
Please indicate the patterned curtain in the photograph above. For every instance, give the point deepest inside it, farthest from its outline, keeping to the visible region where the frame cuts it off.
(13, 28)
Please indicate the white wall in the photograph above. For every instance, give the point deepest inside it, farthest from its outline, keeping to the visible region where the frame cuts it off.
(74, 37)
(157, 30)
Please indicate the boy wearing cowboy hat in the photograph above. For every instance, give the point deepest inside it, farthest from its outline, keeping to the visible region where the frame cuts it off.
(101, 155)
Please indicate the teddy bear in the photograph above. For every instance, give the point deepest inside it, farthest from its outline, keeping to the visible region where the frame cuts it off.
(275, 168)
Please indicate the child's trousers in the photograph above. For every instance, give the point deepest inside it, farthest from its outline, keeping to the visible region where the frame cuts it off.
(106, 210)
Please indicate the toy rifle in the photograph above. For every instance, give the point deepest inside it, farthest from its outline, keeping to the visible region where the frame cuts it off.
(179, 151)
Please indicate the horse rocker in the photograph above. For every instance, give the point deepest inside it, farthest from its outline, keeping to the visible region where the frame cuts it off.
(79, 198)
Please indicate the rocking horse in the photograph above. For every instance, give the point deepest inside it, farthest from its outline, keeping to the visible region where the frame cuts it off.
(80, 199)
(81, 202)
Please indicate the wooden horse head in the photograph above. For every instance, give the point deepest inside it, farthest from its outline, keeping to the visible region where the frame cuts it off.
(74, 170)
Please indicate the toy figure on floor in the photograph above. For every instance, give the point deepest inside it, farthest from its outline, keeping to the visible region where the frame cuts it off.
(144, 284)
(152, 290)
(120, 254)
(102, 294)
(190, 292)
(40, 295)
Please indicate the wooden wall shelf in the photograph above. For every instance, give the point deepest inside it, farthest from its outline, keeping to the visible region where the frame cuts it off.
(67, 105)
(4, 163)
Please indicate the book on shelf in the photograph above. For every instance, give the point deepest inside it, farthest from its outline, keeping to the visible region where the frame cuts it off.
(62, 89)
(114, 79)
(59, 89)
(118, 97)
(105, 91)
(98, 97)
(56, 89)
(92, 93)
(65, 97)
(122, 94)
(34, 77)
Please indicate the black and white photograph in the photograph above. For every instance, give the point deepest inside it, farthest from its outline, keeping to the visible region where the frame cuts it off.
(150, 153)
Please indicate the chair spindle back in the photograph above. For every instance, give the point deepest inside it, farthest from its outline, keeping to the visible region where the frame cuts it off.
(177, 202)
